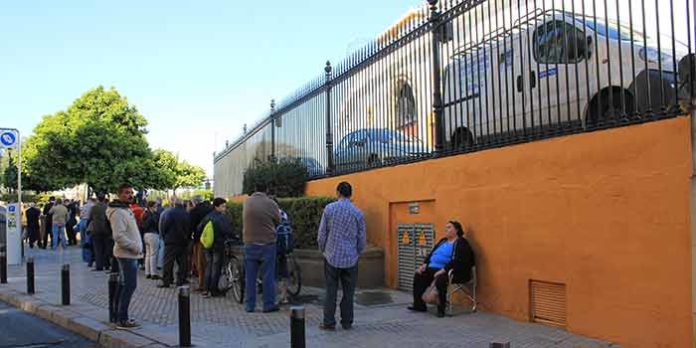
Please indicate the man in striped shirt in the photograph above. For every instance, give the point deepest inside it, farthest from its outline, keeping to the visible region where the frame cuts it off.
(341, 239)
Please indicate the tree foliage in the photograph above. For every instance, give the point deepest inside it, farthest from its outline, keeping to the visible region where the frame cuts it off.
(99, 140)
(174, 173)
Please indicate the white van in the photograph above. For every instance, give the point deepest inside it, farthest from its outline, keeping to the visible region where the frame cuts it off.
(555, 69)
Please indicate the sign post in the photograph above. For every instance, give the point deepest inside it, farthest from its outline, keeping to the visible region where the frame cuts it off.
(9, 139)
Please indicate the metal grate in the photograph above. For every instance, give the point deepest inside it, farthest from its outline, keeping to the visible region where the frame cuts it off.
(414, 243)
(548, 303)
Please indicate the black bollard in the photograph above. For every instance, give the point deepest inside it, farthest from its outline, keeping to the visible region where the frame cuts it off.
(297, 327)
(113, 283)
(499, 344)
(184, 316)
(3, 264)
(65, 285)
(30, 276)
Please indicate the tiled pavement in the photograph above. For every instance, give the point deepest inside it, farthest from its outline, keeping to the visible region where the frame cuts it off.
(221, 322)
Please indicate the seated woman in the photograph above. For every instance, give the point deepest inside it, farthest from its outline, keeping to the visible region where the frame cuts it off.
(451, 253)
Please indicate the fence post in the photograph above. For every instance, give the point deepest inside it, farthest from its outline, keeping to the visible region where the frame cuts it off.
(3, 264)
(499, 344)
(30, 276)
(65, 285)
(273, 131)
(437, 85)
(184, 316)
(329, 134)
(113, 283)
(297, 327)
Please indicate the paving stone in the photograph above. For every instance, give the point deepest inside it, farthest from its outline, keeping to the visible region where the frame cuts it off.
(221, 322)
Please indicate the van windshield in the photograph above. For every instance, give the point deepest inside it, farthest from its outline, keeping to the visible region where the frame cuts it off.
(614, 30)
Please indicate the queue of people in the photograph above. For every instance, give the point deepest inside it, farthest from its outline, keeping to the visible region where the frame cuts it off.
(121, 236)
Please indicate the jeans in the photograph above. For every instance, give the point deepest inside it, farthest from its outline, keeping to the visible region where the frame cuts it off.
(58, 233)
(82, 227)
(151, 248)
(128, 279)
(160, 253)
(213, 260)
(264, 256)
(348, 278)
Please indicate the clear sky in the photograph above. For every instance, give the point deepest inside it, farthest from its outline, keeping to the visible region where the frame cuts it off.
(197, 70)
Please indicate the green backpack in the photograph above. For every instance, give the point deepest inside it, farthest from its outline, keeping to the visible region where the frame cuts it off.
(208, 235)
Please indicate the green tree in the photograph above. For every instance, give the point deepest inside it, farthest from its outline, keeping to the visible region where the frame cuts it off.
(99, 140)
(174, 173)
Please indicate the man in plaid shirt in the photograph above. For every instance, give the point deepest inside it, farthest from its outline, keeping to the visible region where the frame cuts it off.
(341, 239)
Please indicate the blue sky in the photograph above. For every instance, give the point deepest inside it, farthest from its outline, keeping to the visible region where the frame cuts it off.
(197, 70)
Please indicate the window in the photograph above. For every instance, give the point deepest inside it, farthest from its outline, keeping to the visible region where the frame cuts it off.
(405, 106)
(559, 42)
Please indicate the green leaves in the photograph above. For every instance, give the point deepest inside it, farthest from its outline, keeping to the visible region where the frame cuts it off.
(284, 178)
(100, 140)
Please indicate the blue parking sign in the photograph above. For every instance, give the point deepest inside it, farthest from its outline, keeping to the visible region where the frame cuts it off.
(8, 139)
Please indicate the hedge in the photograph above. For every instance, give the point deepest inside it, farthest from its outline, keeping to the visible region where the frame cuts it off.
(286, 177)
(304, 212)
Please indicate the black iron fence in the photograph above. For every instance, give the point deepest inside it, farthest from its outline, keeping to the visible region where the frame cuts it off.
(464, 75)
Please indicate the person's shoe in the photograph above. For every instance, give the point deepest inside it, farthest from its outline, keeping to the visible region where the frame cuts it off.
(347, 326)
(272, 309)
(205, 294)
(440, 313)
(127, 325)
(155, 277)
(97, 269)
(163, 285)
(417, 309)
(148, 276)
(249, 310)
(327, 327)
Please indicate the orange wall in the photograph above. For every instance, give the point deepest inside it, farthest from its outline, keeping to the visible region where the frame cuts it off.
(606, 213)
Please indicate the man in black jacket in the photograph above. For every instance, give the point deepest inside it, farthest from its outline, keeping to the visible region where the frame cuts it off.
(222, 229)
(452, 253)
(100, 232)
(48, 223)
(33, 214)
(175, 229)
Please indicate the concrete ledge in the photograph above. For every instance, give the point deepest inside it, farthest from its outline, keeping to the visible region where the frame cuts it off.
(370, 268)
(69, 318)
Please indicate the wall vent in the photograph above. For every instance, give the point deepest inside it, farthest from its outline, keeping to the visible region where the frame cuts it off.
(548, 303)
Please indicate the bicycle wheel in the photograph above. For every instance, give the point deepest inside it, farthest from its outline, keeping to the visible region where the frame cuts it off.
(295, 281)
(236, 272)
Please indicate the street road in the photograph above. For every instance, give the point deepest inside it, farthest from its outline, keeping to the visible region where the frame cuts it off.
(20, 329)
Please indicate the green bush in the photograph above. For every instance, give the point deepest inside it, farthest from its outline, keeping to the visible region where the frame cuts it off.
(304, 212)
(284, 178)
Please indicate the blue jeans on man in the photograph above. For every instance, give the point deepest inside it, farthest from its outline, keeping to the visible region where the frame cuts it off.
(261, 256)
(57, 233)
(128, 281)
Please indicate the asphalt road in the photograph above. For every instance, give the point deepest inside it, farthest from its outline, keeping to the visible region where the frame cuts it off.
(20, 329)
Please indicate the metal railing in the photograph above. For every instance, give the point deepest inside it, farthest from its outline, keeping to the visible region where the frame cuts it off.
(465, 75)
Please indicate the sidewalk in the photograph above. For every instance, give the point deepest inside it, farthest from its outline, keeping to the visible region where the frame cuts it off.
(381, 316)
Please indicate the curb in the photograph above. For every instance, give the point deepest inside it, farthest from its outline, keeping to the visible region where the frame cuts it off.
(101, 333)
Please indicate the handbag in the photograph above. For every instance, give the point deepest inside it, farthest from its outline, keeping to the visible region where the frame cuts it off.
(431, 294)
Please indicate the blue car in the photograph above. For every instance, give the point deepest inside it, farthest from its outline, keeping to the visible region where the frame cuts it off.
(371, 147)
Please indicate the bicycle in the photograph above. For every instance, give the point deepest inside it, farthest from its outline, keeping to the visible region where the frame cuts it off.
(233, 274)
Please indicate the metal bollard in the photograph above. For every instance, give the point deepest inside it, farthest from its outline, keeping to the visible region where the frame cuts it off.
(30, 276)
(3, 264)
(297, 327)
(113, 283)
(184, 316)
(499, 344)
(65, 285)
